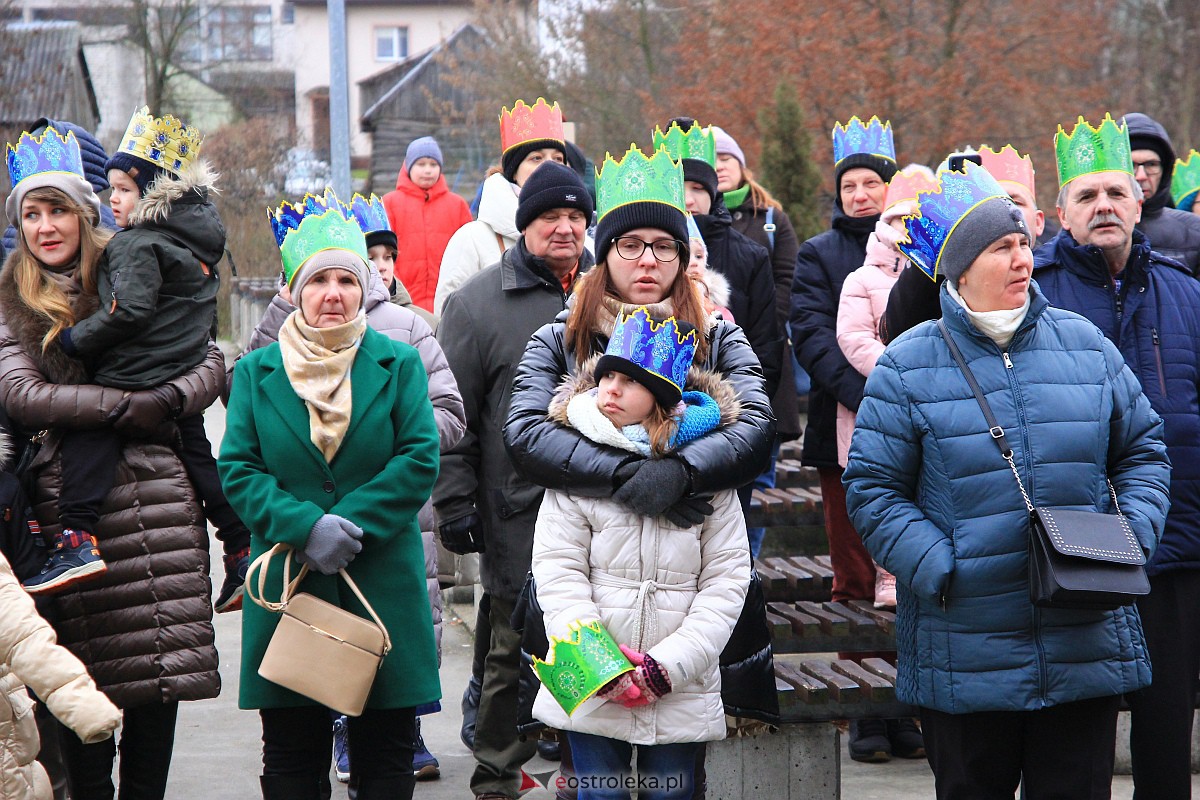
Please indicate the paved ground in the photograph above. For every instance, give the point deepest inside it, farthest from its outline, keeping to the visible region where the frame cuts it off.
(217, 746)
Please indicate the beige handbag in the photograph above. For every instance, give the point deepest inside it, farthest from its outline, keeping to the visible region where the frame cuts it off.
(319, 650)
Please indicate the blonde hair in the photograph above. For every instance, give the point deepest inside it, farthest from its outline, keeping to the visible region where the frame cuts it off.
(35, 288)
(759, 196)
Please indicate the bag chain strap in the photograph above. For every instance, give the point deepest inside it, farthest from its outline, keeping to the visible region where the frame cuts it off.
(994, 428)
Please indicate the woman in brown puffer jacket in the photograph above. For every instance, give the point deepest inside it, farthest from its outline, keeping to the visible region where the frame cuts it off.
(144, 629)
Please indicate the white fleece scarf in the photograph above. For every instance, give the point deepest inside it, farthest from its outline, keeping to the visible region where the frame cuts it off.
(999, 326)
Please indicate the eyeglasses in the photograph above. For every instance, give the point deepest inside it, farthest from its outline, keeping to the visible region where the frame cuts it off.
(631, 248)
(1152, 168)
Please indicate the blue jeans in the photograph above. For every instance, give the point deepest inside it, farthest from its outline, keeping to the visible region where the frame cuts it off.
(665, 771)
(764, 481)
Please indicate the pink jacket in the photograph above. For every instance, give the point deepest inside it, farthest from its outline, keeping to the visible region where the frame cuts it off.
(864, 298)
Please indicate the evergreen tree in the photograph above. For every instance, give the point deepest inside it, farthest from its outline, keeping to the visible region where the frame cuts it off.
(788, 168)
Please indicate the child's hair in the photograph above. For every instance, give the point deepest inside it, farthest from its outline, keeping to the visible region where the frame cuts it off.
(35, 288)
(660, 424)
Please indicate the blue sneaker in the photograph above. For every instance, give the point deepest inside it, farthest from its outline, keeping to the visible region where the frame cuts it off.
(74, 560)
(425, 766)
(341, 750)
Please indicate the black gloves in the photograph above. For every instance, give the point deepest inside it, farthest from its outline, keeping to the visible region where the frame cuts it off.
(689, 511)
(657, 485)
(143, 414)
(463, 535)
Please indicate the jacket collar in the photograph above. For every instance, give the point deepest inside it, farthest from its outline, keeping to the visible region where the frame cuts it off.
(404, 183)
(1087, 262)
(520, 270)
(856, 227)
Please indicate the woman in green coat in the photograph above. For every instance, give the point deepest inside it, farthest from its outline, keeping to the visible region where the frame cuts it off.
(331, 448)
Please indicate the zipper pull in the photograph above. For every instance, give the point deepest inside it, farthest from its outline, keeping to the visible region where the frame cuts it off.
(1154, 336)
(1007, 360)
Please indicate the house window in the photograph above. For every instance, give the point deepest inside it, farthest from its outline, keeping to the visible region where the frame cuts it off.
(391, 44)
(239, 33)
(287, 15)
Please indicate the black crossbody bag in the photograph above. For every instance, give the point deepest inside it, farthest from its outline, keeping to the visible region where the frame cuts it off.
(1077, 559)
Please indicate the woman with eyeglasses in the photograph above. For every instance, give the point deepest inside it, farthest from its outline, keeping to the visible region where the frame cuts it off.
(641, 260)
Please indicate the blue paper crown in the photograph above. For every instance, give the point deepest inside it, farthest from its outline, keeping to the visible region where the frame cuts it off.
(956, 195)
(656, 347)
(874, 138)
(289, 215)
(50, 152)
(370, 213)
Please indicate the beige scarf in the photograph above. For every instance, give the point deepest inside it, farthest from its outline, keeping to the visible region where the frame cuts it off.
(317, 362)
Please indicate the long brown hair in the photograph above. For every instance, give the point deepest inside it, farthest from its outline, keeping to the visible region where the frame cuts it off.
(660, 424)
(759, 196)
(35, 288)
(593, 288)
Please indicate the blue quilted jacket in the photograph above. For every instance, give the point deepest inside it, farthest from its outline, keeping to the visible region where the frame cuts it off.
(1155, 322)
(938, 507)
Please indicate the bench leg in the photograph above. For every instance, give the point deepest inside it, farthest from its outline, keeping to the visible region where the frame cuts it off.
(800, 761)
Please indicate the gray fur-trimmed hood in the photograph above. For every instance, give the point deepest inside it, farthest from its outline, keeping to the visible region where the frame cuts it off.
(155, 205)
(698, 380)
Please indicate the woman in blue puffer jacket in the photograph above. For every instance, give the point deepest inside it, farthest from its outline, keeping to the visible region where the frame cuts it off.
(1007, 691)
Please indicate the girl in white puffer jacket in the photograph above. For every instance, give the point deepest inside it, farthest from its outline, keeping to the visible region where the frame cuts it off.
(670, 596)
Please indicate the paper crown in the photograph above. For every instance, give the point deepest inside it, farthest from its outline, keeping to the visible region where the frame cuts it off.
(905, 185)
(696, 143)
(50, 152)
(312, 224)
(163, 141)
(369, 213)
(637, 179)
(1185, 182)
(578, 666)
(874, 138)
(955, 195)
(656, 347)
(1087, 150)
(530, 124)
(1008, 165)
(694, 229)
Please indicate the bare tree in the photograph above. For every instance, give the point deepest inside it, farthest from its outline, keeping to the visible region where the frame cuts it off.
(165, 31)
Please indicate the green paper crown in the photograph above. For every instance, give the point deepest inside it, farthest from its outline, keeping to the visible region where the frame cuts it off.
(580, 665)
(313, 224)
(1087, 150)
(1186, 181)
(698, 143)
(637, 179)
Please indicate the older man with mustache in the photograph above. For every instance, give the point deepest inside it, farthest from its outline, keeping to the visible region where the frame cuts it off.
(1100, 266)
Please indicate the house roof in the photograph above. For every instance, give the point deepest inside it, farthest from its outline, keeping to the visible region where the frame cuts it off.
(41, 67)
(408, 72)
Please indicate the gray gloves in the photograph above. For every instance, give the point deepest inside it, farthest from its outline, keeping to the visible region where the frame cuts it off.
(332, 544)
(658, 487)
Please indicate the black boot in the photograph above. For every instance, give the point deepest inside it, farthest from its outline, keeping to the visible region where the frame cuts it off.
(906, 738)
(289, 787)
(470, 710)
(400, 788)
(869, 741)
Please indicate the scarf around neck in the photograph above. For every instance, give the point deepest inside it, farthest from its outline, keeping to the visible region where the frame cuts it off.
(735, 198)
(317, 362)
(999, 326)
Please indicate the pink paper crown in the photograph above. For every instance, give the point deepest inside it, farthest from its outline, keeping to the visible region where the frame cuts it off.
(530, 123)
(1008, 165)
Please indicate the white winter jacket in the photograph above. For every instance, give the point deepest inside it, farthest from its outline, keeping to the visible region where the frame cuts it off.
(674, 593)
(29, 655)
(475, 245)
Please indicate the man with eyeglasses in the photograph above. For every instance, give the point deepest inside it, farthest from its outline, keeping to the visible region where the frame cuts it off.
(1172, 233)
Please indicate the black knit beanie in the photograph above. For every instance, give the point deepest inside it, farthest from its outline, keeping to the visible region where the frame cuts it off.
(381, 237)
(513, 157)
(625, 218)
(885, 168)
(552, 185)
(142, 171)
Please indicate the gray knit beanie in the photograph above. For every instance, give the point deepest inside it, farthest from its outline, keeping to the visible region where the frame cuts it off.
(992, 219)
(331, 259)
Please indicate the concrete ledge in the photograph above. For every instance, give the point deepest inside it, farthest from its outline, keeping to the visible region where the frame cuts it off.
(800, 761)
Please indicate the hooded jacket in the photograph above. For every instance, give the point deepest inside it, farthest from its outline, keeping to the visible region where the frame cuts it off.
(747, 267)
(158, 282)
(674, 593)
(821, 268)
(938, 507)
(1172, 233)
(423, 221)
(480, 243)
(1155, 322)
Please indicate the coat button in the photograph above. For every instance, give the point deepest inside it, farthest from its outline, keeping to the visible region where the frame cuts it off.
(327, 486)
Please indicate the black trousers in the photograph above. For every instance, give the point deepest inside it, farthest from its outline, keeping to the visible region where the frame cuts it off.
(89, 464)
(1063, 752)
(1160, 739)
(299, 742)
(147, 742)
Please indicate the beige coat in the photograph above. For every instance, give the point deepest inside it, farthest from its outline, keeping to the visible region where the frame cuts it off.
(30, 656)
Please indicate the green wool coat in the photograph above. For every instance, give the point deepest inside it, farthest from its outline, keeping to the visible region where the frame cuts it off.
(280, 484)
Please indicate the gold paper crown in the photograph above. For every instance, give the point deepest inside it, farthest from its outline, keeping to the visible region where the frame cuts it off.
(163, 141)
(530, 124)
(1008, 165)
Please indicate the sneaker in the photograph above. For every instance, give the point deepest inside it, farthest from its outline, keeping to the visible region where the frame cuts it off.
(550, 751)
(906, 738)
(341, 750)
(74, 560)
(230, 598)
(869, 741)
(425, 765)
(885, 588)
